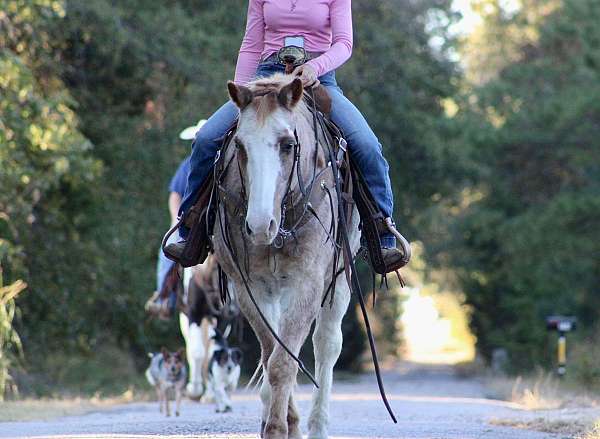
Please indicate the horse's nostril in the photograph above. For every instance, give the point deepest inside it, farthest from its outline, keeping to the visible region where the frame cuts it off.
(248, 229)
(272, 227)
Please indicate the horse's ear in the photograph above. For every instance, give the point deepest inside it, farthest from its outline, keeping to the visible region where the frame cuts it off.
(291, 94)
(240, 95)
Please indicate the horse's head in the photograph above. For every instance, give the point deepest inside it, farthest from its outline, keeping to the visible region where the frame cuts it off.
(266, 145)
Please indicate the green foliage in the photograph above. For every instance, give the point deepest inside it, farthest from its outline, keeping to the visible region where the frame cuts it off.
(525, 246)
(46, 172)
(10, 343)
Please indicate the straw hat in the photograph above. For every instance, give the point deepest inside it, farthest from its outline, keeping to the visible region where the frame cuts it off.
(190, 132)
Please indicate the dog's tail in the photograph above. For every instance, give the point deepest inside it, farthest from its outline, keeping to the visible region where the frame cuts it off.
(256, 377)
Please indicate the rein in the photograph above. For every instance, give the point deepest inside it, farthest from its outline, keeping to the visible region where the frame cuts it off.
(350, 267)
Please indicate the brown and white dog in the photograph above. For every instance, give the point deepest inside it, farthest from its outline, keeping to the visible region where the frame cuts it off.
(167, 371)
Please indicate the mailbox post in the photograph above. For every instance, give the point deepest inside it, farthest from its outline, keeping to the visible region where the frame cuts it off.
(561, 324)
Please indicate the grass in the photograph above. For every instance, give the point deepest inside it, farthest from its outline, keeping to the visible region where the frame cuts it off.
(75, 385)
(542, 391)
(551, 405)
(44, 409)
(592, 433)
(563, 427)
(539, 392)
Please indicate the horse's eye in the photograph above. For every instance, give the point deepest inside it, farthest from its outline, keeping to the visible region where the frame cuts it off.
(238, 143)
(287, 145)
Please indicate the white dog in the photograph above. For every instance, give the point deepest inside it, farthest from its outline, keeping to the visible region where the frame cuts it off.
(223, 372)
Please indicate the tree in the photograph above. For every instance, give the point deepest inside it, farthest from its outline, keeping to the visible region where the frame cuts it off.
(525, 246)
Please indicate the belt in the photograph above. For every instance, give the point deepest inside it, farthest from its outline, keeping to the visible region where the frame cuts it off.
(274, 58)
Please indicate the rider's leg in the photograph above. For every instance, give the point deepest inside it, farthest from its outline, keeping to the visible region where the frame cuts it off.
(204, 151)
(367, 152)
(155, 304)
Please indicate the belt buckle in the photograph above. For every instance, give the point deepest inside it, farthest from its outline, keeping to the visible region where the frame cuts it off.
(293, 55)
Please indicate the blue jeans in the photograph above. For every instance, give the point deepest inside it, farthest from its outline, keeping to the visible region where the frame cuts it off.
(363, 143)
(163, 267)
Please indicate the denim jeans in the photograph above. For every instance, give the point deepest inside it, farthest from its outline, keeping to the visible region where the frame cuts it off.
(362, 142)
(163, 267)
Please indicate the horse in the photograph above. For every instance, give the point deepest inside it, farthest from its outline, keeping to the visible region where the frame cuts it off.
(200, 312)
(271, 239)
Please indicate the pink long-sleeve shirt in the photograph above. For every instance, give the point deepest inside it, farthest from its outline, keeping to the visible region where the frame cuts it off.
(326, 26)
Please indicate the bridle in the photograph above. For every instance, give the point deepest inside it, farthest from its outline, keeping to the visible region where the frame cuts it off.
(294, 209)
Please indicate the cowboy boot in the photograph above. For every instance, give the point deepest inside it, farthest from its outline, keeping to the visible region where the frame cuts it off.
(395, 258)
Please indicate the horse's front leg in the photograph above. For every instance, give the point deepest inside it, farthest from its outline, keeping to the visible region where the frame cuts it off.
(281, 371)
(271, 311)
(265, 387)
(196, 353)
(327, 342)
(293, 420)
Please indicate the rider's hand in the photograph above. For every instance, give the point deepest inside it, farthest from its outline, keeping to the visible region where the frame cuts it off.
(307, 75)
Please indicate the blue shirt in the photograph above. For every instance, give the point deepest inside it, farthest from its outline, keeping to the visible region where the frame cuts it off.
(179, 180)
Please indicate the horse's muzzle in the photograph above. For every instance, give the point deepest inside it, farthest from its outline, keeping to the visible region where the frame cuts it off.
(261, 231)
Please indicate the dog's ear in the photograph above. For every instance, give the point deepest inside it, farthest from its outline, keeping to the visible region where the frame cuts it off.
(180, 354)
(165, 353)
(220, 356)
(237, 355)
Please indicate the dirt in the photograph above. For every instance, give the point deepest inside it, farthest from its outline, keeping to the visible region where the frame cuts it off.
(430, 402)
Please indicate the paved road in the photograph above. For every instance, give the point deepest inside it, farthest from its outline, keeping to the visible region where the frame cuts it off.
(429, 402)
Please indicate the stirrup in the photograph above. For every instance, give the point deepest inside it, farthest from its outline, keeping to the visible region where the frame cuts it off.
(401, 240)
(371, 233)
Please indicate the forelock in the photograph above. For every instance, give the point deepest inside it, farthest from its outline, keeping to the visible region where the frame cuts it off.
(265, 90)
(266, 106)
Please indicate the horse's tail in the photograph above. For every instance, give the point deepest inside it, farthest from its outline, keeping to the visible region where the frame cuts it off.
(219, 337)
(256, 377)
(150, 377)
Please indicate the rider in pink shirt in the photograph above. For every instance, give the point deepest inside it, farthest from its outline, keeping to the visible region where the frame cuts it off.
(325, 25)
(325, 28)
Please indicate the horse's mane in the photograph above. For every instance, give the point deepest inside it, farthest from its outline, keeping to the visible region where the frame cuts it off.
(265, 91)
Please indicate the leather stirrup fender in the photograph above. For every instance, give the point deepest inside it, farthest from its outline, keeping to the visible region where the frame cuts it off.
(198, 220)
(374, 224)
